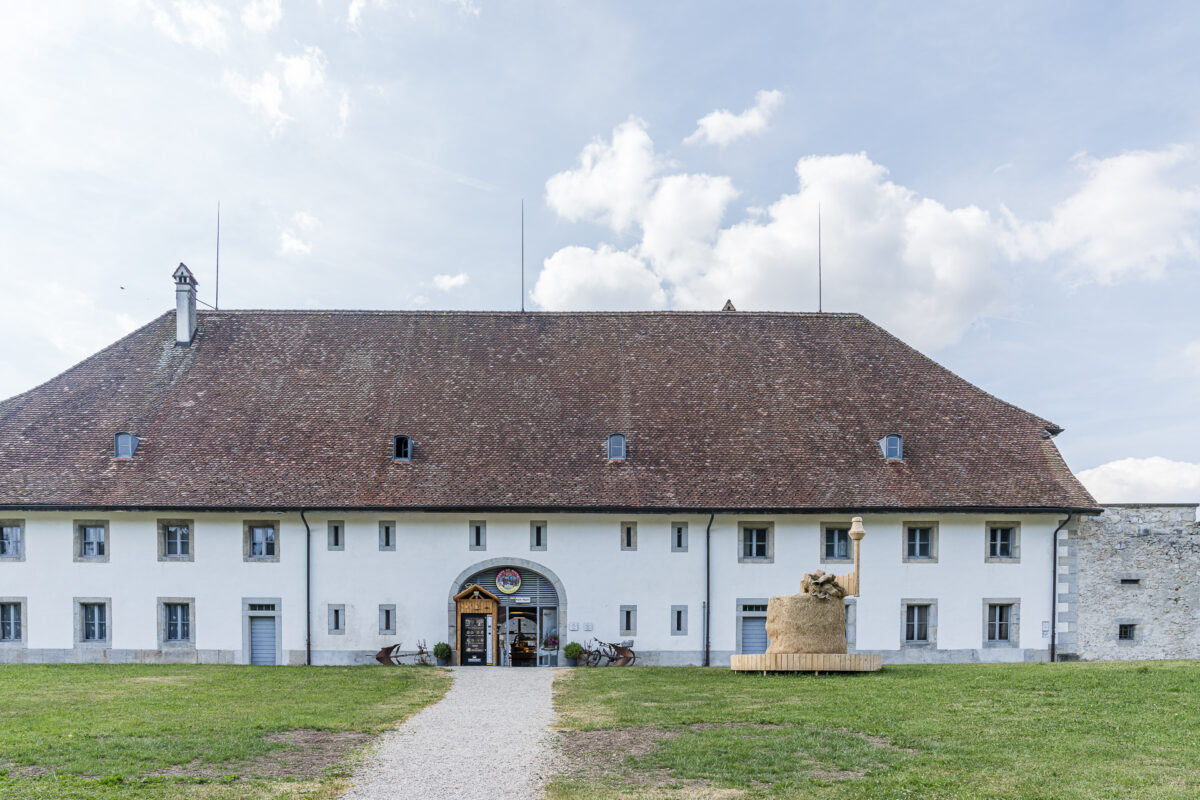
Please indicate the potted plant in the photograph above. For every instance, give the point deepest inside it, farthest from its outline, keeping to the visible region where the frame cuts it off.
(572, 652)
(441, 651)
(550, 643)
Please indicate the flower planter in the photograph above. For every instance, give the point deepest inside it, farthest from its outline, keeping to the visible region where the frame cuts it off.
(572, 662)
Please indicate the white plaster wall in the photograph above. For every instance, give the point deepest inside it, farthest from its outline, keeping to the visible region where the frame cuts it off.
(134, 578)
(583, 551)
(432, 550)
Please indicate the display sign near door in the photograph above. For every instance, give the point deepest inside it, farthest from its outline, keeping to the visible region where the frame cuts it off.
(508, 580)
(474, 645)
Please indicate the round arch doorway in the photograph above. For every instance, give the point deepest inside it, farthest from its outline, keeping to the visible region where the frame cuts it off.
(530, 612)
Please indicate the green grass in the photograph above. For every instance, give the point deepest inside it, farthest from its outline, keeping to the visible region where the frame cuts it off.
(1061, 731)
(98, 731)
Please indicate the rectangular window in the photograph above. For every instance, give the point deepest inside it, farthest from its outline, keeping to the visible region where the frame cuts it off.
(754, 543)
(916, 623)
(337, 535)
(999, 621)
(628, 621)
(538, 535)
(95, 622)
(387, 619)
(679, 537)
(1003, 542)
(10, 622)
(178, 541)
(1131, 581)
(679, 619)
(11, 540)
(178, 622)
(837, 544)
(337, 619)
(629, 536)
(477, 535)
(1126, 632)
(93, 541)
(919, 542)
(387, 535)
(262, 541)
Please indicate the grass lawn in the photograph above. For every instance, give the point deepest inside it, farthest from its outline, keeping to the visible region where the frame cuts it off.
(101, 731)
(1062, 731)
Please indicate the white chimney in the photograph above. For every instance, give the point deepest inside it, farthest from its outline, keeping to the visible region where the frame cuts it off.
(185, 306)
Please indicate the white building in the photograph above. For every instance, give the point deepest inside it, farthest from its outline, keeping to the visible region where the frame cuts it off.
(309, 487)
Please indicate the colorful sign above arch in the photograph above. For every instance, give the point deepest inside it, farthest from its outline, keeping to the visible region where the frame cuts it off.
(508, 580)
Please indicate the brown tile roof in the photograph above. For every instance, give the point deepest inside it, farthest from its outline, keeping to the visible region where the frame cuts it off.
(726, 410)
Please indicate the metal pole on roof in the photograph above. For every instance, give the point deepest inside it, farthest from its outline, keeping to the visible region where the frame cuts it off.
(522, 255)
(820, 287)
(217, 288)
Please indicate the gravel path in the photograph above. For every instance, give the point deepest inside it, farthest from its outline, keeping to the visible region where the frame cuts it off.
(487, 738)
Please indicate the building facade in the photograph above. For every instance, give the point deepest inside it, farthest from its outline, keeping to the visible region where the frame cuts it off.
(1129, 584)
(309, 487)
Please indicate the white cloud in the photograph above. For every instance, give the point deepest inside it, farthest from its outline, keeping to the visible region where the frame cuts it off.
(264, 96)
(922, 270)
(468, 8)
(261, 16)
(343, 113)
(583, 279)
(722, 127)
(305, 71)
(292, 245)
(1144, 480)
(355, 9)
(449, 283)
(613, 181)
(1191, 356)
(291, 242)
(1134, 216)
(195, 22)
(304, 220)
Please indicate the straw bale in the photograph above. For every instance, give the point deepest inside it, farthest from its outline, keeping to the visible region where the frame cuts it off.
(806, 623)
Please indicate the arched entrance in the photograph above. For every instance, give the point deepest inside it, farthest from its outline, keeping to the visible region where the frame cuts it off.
(530, 612)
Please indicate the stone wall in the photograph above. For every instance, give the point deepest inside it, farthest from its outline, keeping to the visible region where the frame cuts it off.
(1133, 565)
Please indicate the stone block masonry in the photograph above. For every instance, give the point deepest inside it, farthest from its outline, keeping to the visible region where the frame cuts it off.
(1129, 584)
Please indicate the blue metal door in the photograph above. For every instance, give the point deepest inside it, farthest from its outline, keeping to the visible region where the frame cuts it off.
(262, 640)
(754, 635)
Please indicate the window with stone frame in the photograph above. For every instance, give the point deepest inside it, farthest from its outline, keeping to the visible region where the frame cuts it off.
(177, 619)
(836, 541)
(10, 622)
(12, 540)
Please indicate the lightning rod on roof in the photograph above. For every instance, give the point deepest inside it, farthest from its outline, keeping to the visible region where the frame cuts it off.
(820, 287)
(217, 287)
(522, 255)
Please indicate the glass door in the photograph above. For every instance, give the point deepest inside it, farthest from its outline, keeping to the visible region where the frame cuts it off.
(548, 643)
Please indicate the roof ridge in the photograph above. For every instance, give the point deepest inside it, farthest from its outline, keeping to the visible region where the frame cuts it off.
(486, 313)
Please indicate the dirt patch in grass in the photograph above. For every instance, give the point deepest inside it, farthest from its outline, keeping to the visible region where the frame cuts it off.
(307, 755)
(161, 679)
(603, 756)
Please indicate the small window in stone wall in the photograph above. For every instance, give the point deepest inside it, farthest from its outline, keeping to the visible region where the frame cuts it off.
(1131, 581)
(1127, 632)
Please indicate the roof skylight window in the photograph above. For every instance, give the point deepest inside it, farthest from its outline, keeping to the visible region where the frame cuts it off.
(402, 448)
(892, 446)
(616, 447)
(125, 445)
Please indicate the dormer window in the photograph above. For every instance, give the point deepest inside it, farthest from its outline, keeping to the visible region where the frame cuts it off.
(125, 445)
(892, 446)
(402, 448)
(616, 447)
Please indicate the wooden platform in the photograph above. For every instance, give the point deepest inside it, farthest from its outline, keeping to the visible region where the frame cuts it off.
(806, 662)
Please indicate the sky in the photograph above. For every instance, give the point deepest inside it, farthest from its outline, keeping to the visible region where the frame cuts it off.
(1013, 189)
